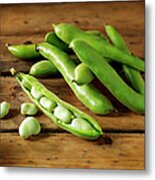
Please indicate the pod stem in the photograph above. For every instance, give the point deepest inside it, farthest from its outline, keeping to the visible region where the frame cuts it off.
(53, 25)
(13, 71)
(7, 45)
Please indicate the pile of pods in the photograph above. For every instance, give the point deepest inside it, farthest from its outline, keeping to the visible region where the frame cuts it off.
(80, 56)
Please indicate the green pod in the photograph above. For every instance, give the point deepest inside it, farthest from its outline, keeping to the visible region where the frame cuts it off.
(4, 109)
(132, 75)
(30, 126)
(135, 79)
(24, 51)
(82, 74)
(97, 34)
(88, 133)
(87, 93)
(43, 68)
(52, 38)
(108, 76)
(68, 32)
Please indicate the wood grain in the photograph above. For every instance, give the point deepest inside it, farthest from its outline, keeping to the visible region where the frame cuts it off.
(66, 151)
(38, 18)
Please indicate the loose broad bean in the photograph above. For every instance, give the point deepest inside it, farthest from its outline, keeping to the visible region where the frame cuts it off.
(132, 74)
(68, 32)
(30, 126)
(28, 109)
(24, 51)
(62, 114)
(87, 93)
(108, 76)
(4, 109)
(82, 74)
(43, 68)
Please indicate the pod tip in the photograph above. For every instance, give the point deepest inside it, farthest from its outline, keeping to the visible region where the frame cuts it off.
(7, 44)
(54, 25)
(13, 71)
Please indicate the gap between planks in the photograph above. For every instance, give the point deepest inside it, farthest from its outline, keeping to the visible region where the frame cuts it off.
(49, 130)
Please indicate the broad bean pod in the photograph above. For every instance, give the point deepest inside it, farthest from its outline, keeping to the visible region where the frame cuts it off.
(43, 68)
(132, 74)
(24, 51)
(67, 116)
(108, 76)
(83, 75)
(68, 32)
(87, 93)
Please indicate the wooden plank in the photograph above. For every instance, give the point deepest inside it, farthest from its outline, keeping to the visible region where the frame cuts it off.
(25, 19)
(66, 151)
(11, 92)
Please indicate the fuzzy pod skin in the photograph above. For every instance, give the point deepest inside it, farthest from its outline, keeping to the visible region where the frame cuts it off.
(91, 134)
(28, 109)
(108, 76)
(30, 126)
(43, 68)
(132, 75)
(4, 109)
(24, 51)
(87, 93)
(82, 75)
(68, 33)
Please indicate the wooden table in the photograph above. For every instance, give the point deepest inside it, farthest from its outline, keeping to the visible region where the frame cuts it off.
(55, 147)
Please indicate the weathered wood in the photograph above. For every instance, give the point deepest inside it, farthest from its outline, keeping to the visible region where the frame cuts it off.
(11, 92)
(66, 151)
(38, 18)
(27, 28)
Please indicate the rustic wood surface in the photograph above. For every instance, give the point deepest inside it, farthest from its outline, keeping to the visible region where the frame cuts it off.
(55, 147)
(66, 151)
